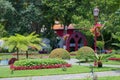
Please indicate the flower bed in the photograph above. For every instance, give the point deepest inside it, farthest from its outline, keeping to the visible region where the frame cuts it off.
(115, 59)
(30, 64)
(12, 67)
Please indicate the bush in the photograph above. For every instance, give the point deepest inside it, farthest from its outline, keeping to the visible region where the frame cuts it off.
(12, 60)
(60, 53)
(100, 44)
(85, 53)
(74, 53)
(34, 62)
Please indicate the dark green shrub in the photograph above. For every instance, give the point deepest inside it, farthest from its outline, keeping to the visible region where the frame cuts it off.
(100, 44)
(85, 53)
(35, 62)
(60, 53)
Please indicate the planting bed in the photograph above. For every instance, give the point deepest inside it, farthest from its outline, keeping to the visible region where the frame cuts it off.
(29, 64)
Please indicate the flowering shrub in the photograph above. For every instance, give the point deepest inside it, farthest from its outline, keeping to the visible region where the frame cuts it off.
(38, 64)
(12, 60)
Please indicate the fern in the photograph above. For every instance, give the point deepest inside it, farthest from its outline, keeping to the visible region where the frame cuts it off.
(20, 42)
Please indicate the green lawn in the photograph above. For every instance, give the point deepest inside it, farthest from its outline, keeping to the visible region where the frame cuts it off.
(102, 78)
(34, 55)
(117, 55)
(112, 62)
(6, 72)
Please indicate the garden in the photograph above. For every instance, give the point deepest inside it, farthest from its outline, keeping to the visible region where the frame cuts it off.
(42, 37)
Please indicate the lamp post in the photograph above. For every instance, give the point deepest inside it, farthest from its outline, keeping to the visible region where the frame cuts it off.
(95, 13)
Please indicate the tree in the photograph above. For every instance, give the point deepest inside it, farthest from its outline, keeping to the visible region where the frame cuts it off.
(19, 42)
(117, 37)
(3, 32)
(26, 16)
(111, 27)
(5, 7)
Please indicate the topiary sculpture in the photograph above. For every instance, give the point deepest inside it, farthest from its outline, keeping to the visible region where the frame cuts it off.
(59, 53)
(85, 53)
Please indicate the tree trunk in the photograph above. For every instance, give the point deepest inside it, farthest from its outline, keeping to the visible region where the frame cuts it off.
(27, 54)
(100, 64)
(17, 54)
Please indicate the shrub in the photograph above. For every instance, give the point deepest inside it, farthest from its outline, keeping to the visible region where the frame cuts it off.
(12, 60)
(28, 64)
(74, 53)
(85, 53)
(100, 44)
(34, 62)
(60, 53)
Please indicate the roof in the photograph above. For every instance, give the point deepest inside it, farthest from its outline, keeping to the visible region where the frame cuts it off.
(71, 26)
(59, 26)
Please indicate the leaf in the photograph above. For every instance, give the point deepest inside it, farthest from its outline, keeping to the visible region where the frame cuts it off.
(116, 44)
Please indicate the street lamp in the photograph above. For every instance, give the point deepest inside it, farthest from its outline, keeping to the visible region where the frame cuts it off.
(95, 13)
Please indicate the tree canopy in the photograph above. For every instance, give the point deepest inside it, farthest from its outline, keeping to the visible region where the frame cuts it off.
(26, 16)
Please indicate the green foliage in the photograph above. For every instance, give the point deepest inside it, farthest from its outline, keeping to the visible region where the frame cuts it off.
(60, 10)
(20, 42)
(80, 22)
(3, 32)
(100, 44)
(102, 57)
(35, 62)
(74, 53)
(111, 26)
(116, 36)
(60, 53)
(26, 16)
(85, 53)
(5, 7)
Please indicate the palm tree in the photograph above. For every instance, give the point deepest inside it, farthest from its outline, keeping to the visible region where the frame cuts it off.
(100, 58)
(20, 42)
